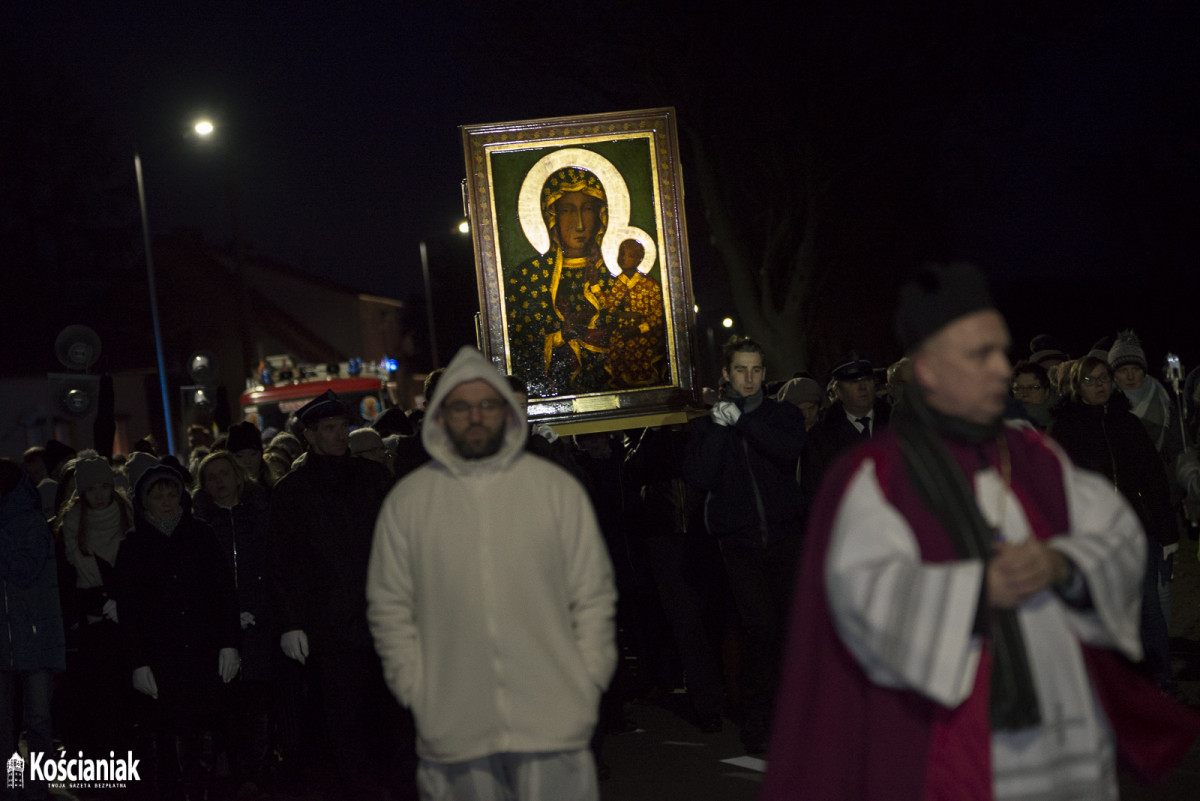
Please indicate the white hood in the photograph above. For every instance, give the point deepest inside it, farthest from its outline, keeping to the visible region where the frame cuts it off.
(468, 365)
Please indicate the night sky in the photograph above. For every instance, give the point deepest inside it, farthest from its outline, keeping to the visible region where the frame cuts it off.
(1058, 148)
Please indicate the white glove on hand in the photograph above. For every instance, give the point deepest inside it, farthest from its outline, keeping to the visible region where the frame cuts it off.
(143, 682)
(726, 413)
(228, 664)
(110, 610)
(545, 431)
(295, 644)
(247, 620)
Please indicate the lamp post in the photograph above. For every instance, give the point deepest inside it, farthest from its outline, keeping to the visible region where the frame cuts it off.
(433, 349)
(158, 344)
(463, 228)
(205, 130)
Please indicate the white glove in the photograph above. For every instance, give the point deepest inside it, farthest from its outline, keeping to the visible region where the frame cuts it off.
(110, 610)
(726, 413)
(247, 619)
(1170, 549)
(143, 681)
(545, 431)
(228, 664)
(295, 644)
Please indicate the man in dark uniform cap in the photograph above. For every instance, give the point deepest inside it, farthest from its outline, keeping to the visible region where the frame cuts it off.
(855, 416)
(322, 522)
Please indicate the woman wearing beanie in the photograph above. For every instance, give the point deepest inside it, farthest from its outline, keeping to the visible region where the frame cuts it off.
(239, 513)
(1147, 396)
(92, 524)
(179, 621)
(244, 441)
(1152, 405)
(1096, 429)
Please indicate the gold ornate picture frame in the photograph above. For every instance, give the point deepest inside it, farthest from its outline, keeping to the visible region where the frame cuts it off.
(582, 264)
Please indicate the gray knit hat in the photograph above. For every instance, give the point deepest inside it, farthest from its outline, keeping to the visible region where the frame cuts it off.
(1127, 350)
(91, 469)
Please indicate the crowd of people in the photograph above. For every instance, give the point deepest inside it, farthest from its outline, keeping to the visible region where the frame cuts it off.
(458, 604)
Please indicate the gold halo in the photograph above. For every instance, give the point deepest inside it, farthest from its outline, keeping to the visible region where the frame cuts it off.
(529, 207)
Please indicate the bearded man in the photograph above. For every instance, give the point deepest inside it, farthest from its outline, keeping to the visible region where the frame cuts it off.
(491, 599)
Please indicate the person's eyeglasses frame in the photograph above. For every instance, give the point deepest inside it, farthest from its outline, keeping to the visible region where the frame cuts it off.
(487, 407)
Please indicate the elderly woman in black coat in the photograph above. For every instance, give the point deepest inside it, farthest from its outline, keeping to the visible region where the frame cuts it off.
(1098, 431)
(179, 617)
(237, 508)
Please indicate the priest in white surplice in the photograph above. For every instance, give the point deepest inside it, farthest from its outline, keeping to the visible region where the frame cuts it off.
(968, 598)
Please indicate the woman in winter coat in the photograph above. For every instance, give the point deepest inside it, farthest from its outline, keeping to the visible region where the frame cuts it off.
(238, 511)
(31, 634)
(1098, 431)
(93, 524)
(179, 618)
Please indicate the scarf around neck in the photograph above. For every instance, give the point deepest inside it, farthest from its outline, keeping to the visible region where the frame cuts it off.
(165, 526)
(945, 491)
(747, 403)
(104, 532)
(1153, 407)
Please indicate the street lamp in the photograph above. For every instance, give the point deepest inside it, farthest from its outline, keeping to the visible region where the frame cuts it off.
(205, 129)
(158, 344)
(464, 227)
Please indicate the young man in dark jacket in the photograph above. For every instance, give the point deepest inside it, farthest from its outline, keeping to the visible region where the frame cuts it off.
(744, 456)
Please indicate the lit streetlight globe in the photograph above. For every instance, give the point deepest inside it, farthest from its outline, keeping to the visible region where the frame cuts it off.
(204, 128)
(727, 322)
(464, 227)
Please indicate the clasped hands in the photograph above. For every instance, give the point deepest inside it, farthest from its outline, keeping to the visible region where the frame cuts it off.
(1018, 571)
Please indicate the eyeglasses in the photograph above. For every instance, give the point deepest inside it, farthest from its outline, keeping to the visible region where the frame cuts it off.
(1097, 379)
(487, 406)
(1029, 388)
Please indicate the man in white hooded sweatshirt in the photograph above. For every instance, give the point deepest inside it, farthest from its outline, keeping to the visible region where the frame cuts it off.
(491, 601)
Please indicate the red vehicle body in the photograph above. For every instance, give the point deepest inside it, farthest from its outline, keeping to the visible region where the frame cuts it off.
(271, 406)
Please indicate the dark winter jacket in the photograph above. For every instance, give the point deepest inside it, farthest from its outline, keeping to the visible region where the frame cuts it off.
(1110, 440)
(832, 436)
(177, 603)
(31, 630)
(749, 472)
(242, 534)
(322, 523)
(654, 469)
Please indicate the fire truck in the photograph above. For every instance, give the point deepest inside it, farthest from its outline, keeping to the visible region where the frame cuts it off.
(283, 386)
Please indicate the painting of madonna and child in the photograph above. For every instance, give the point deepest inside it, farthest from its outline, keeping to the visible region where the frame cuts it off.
(582, 258)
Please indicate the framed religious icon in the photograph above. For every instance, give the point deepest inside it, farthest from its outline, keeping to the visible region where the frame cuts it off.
(581, 255)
